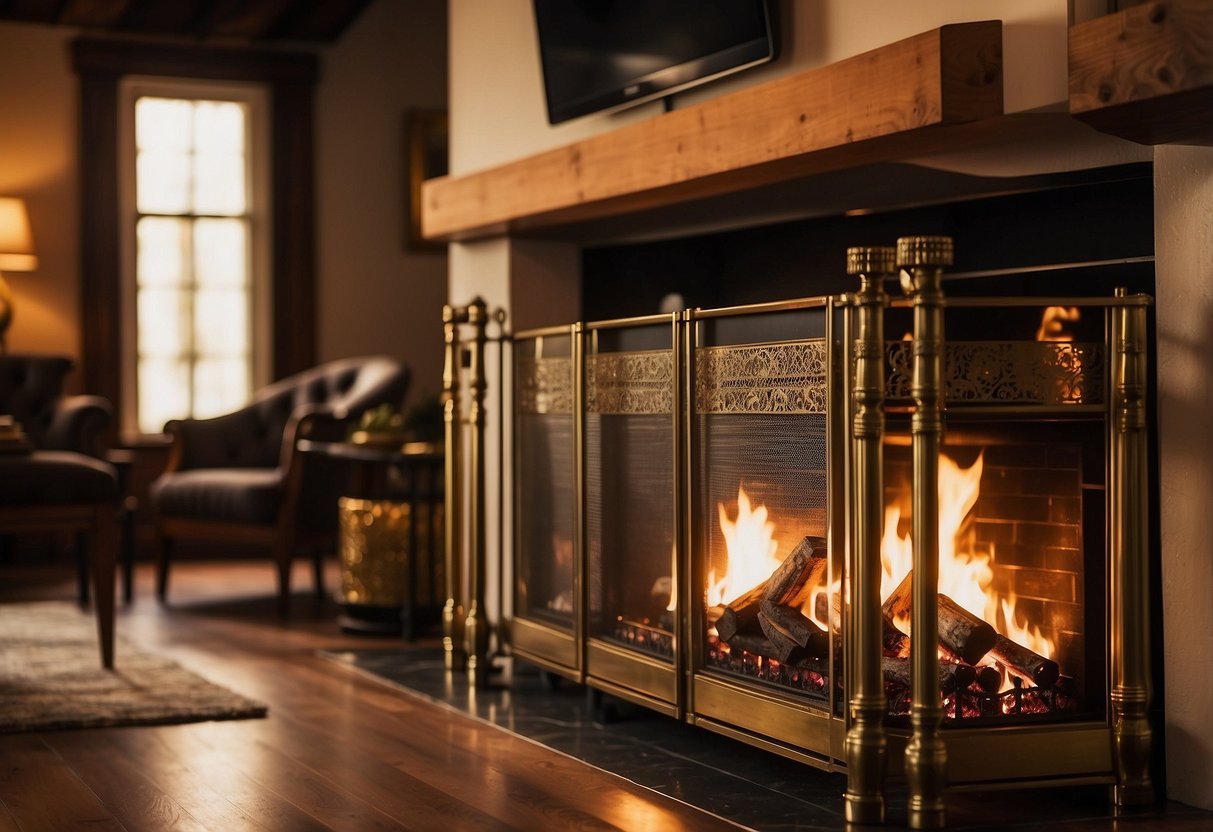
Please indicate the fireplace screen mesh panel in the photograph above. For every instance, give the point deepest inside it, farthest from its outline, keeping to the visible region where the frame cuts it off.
(631, 530)
(546, 471)
(762, 500)
(1023, 511)
(1035, 498)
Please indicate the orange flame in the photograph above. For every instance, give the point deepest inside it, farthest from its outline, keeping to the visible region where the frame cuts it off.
(751, 548)
(965, 575)
(1053, 323)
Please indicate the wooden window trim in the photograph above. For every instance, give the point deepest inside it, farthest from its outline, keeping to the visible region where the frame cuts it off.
(291, 77)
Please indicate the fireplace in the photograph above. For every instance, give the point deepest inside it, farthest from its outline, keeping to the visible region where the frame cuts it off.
(716, 513)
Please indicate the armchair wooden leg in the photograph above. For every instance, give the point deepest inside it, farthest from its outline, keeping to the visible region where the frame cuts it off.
(164, 546)
(283, 556)
(82, 567)
(318, 572)
(102, 563)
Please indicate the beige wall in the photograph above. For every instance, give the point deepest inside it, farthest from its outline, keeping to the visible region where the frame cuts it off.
(1183, 221)
(373, 296)
(38, 96)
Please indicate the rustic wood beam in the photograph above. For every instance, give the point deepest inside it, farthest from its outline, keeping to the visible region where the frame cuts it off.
(872, 107)
(1146, 73)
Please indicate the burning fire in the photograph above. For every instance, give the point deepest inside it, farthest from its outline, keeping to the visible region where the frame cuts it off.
(965, 574)
(1053, 323)
(752, 551)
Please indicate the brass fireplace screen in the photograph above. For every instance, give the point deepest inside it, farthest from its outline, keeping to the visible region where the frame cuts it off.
(825, 529)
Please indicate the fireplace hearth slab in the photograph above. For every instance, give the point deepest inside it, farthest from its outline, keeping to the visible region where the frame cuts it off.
(729, 779)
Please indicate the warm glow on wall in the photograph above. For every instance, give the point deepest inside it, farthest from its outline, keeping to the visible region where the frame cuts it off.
(16, 254)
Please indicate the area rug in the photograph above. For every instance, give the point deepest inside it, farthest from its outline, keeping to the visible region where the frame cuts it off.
(51, 678)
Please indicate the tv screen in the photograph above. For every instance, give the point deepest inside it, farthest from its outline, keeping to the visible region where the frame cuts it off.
(603, 54)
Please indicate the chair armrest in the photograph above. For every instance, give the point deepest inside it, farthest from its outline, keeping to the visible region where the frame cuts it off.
(79, 424)
(318, 422)
(228, 441)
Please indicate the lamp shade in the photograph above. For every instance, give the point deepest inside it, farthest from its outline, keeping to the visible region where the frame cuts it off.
(16, 242)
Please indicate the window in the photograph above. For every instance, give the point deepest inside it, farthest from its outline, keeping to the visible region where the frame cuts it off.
(195, 274)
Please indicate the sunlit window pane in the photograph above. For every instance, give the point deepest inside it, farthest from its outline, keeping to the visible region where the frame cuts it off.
(194, 302)
(163, 244)
(220, 253)
(164, 392)
(163, 124)
(221, 322)
(219, 127)
(219, 183)
(220, 386)
(163, 323)
(163, 182)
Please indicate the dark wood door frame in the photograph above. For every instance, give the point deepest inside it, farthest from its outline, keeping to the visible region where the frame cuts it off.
(291, 77)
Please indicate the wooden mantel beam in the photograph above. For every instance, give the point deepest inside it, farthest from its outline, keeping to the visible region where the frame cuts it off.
(1146, 73)
(874, 107)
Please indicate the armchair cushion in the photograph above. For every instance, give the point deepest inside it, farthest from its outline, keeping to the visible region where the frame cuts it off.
(45, 478)
(231, 495)
(259, 436)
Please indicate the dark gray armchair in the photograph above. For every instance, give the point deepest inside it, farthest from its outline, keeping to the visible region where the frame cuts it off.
(241, 477)
(55, 481)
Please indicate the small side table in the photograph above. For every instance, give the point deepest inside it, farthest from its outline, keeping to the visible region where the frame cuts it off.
(391, 522)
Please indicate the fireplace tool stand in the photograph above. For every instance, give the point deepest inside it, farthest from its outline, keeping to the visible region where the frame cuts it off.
(465, 626)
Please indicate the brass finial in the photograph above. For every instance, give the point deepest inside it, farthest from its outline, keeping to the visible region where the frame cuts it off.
(872, 260)
(925, 250)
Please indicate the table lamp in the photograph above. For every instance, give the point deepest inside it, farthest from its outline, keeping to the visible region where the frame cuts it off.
(16, 255)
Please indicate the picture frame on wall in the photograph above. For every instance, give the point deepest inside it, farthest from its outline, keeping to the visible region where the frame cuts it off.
(426, 143)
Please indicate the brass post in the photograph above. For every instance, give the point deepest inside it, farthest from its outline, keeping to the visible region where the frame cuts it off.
(866, 744)
(921, 260)
(476, 626)
(1131, 734)
(452, 610)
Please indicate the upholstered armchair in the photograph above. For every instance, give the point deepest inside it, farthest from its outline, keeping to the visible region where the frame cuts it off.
(51, 478)
(241, 478)
(31, 391)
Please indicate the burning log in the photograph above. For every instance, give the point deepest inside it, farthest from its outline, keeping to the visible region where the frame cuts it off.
(989, 679)
(782, 624)
(892, 640)
(740, 615)
(1026, 663)
(960, 631)
(758, 645)
(797, 656)
(802, 568)
(951, 676)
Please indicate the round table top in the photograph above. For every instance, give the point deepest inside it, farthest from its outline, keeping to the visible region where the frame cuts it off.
(395, 452)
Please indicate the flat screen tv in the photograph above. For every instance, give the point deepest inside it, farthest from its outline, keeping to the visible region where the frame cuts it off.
(604, 54)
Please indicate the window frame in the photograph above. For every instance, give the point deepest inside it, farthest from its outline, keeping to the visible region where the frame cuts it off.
(290, 77)
(258, 214)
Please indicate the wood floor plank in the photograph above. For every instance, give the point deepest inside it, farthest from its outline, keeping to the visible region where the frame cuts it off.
(42, 792)
(145, 790)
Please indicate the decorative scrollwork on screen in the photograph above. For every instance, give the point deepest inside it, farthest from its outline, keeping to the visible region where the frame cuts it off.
(1009, 372)
(630, 382)
(765, 378)
(545, 385)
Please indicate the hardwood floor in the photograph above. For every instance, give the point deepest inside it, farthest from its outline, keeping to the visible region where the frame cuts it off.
(337, 751)
(340, 751)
